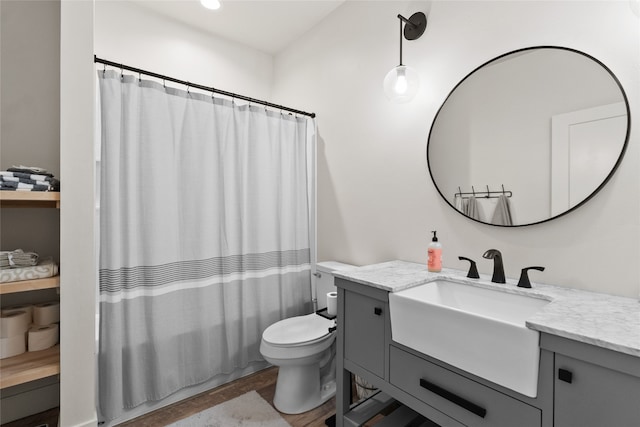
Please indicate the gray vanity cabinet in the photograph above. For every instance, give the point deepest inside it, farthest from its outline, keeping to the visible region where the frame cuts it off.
(579, 385)
(594, 387)
(364, 332)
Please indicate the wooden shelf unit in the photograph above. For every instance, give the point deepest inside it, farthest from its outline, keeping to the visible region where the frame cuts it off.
(30, 199)
(29, 366)
(30, 285)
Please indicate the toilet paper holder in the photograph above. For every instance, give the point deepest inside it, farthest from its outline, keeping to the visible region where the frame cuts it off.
(323, 312)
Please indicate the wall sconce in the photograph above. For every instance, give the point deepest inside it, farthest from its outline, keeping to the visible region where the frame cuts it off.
(401, 83)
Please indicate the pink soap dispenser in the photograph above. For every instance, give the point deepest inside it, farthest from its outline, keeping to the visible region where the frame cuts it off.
(434, 263)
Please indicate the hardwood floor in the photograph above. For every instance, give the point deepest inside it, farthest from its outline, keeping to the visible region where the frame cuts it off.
(264, 382)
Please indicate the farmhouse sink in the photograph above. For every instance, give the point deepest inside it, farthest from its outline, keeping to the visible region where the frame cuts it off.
(479, 330)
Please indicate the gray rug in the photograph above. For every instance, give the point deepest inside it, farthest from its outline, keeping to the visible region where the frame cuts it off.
(248, 410)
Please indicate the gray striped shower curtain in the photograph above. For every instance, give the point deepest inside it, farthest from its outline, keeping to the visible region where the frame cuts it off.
(204, 236)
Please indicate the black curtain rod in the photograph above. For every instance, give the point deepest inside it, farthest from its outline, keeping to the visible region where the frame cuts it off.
(197, 86)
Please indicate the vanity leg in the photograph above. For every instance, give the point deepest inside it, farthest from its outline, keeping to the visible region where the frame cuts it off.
(343, 377)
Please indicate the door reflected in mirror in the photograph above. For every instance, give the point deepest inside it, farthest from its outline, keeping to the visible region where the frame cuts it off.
(528, 136)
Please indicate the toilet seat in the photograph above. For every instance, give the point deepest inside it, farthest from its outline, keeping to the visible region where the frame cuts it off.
(297, 331)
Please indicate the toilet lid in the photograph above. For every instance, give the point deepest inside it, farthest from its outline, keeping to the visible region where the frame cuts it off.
(297, 330)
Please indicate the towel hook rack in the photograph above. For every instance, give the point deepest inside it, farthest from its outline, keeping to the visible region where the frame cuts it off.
(488, 193)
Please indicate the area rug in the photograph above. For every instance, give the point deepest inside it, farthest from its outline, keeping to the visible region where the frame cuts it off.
(248, 410)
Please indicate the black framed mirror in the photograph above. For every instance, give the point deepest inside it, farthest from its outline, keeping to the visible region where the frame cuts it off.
(528, 136)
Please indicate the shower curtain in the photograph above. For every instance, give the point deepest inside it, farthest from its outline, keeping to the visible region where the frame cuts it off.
(204, 236)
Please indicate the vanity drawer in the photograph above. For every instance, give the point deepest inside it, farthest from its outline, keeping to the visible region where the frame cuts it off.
(465, 400)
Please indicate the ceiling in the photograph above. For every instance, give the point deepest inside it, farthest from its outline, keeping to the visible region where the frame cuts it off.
(266, 25)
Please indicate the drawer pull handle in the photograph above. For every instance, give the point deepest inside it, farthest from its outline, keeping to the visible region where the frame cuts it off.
(454, 398)
(377, 311)
(564, 375)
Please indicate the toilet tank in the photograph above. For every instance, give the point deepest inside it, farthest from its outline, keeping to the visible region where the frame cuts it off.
(324, 280)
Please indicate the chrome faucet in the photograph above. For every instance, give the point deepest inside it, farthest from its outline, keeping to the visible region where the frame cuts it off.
(498, 268)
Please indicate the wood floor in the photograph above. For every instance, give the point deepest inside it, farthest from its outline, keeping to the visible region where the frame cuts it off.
(264, 382)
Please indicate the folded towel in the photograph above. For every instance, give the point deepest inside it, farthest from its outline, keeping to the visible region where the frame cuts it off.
(9, 178)
(502, 214)
(35, 177)
(29, 170)
(458, 203)
(19, 258)
(4, 259)
(45, 268)
(8, 185)
(23, 180)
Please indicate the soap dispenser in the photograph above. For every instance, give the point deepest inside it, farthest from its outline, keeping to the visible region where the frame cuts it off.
(434, 262)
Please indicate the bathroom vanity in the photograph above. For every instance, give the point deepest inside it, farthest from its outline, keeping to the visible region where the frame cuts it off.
(589, 360)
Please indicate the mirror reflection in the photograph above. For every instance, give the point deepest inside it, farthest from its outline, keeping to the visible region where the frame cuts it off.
(528, 136)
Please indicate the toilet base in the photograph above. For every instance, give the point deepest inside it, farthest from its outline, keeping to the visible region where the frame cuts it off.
(299, 390)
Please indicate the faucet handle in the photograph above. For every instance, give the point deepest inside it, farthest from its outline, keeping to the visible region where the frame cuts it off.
(473, 270)
(524, 276)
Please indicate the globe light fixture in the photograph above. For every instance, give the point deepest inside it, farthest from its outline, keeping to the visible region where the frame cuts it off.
(402, 83)
(211, 4)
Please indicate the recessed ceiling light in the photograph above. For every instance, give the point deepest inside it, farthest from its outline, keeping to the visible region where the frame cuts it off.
(211, 4)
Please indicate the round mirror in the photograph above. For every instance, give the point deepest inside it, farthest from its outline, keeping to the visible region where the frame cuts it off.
(528, 136)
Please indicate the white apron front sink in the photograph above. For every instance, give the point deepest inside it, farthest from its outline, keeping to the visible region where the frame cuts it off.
(479, 330)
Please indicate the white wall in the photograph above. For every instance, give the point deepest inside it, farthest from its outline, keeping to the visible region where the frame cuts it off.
(77, 256)
(30, 131)
(133, 35)
(29, 135)
(376, 200)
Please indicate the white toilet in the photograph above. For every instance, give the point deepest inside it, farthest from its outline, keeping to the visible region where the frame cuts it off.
(304, 350)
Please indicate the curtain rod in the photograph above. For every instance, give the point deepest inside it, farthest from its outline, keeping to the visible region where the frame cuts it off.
(197, 86)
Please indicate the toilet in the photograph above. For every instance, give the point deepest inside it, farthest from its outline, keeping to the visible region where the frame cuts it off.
(303, 348)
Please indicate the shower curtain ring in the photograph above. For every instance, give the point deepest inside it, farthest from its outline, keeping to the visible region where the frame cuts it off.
(121, 73)
(164, 83)
(104, 69)
(139, 77)
(188, 87)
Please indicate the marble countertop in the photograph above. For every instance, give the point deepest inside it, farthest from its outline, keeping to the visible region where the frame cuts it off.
(599, 319)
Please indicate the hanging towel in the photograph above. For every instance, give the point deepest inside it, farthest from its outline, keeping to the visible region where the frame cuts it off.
(458, 203)
(502, 214)
(471, 209)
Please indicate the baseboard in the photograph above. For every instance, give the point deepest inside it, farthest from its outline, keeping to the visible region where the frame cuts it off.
(92, 423)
